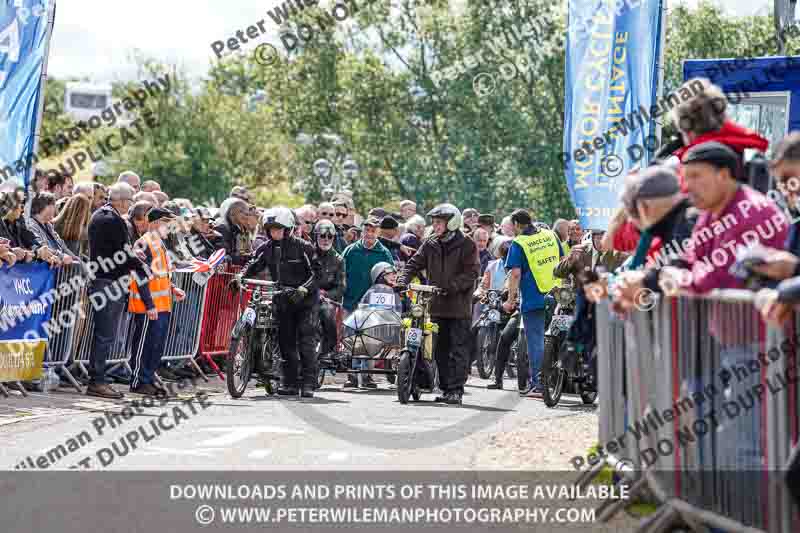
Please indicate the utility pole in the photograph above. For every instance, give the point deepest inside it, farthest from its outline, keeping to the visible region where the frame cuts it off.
(783, 18)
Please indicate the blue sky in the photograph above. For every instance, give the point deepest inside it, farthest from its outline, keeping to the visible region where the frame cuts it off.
(92, 39)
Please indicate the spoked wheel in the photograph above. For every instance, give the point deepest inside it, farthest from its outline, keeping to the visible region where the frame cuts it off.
(553, 376)
(271, 364)
(405, 384)
(513, 365)
(240, 364)
(487, 351)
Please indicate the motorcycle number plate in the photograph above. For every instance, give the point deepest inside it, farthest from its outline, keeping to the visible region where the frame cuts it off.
(249, 315)
(494, 315)
(414, 337)
(381, 298)
(562, 322)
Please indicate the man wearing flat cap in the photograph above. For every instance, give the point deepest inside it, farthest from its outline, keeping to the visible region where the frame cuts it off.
(389, 237)
(732, 215)
(653, 200)
(152, 312)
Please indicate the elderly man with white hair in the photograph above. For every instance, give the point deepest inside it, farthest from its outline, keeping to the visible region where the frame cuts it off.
(109, 246)
(131, 178)
(407, 209)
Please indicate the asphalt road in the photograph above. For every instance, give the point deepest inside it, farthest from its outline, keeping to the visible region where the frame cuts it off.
(204, 429)
(339, 429)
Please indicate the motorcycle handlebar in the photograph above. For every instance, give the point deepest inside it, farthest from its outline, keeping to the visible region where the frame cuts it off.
(259, 282)
(424, 288)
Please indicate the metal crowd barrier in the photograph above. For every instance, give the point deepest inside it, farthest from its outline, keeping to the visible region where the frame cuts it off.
(183, 335)
(66, 325)
(704, 385)
(221, 310)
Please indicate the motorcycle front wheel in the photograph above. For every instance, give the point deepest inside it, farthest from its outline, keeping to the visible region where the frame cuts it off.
(487, 351)
(405, 378)
(240, 363)
(553, 376)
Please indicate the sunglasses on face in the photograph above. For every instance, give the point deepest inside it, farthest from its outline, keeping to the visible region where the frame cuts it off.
(341, 215)
(325, 235)
(326, 215)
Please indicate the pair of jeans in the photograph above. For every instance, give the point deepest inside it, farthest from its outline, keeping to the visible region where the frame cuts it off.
(508, 335)
(106, 326)
(149, 338)
(534, 333)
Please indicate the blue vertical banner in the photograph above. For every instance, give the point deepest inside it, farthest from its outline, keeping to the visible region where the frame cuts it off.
(611, 80)
(24, 37)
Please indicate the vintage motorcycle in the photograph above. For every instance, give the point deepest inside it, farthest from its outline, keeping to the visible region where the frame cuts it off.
(564, 367)
(490, 325)
(415, 370)
(254, 346)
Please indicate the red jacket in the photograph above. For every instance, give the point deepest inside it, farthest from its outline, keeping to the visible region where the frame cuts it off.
(730, 134)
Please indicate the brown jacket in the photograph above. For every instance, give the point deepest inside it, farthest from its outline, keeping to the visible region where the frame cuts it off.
(580, 257)
(453, 266)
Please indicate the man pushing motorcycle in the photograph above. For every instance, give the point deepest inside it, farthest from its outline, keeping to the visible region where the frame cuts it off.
(293, 264)
(451, 262)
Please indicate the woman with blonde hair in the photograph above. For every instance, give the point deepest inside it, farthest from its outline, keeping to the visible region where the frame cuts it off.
(72, 224)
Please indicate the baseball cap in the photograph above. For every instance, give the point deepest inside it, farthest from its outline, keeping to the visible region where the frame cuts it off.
(486, 220)
(657, 181)
(470, 212)
(716, 154)
(203, 213)
(158, 213)
(389, 222)
(372, 221)
(377, 212)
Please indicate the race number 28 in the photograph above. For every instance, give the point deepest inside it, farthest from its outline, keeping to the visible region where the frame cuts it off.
(9, 46)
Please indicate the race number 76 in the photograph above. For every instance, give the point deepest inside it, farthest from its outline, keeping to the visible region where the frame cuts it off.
(9, 45)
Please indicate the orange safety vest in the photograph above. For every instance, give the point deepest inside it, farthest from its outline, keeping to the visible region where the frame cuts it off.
(160, 283)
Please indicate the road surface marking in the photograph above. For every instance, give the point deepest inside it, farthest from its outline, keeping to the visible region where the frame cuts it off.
(236, 434)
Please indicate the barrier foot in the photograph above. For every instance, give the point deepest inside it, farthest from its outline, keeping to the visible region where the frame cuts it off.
(72, 379)
(21, 388)
(214, 367)
(198, 369)
(3, 390)
(83, 370)
(654, 522)
(609, 508)
(587, 476)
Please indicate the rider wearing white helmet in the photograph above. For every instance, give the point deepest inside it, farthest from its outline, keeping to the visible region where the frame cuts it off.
(292, 263)
(451, 262)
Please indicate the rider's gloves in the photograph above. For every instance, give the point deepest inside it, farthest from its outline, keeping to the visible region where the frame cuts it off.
(298, 295)
(235, 284)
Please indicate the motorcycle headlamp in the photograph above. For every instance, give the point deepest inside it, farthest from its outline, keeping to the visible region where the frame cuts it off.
(493, 296)
(417, 311)
(256, 296)
(564, 296)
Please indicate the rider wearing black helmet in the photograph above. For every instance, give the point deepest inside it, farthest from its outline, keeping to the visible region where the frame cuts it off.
(451, 262)
(331, 283)
(292, 263)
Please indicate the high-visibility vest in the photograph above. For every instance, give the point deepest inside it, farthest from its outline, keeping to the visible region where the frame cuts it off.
(160, 284)
(541, 251)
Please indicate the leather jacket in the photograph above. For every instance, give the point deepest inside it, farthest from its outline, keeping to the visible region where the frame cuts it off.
(291, 262)
(332, 276)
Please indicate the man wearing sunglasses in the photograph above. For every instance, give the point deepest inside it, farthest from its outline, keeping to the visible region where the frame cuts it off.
(332, 281)
(341, 214)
